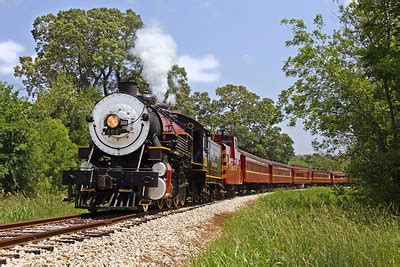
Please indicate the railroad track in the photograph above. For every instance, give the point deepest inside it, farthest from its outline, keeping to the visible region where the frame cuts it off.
(71, 229)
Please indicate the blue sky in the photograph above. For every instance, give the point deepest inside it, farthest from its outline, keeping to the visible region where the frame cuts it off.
(220, 41)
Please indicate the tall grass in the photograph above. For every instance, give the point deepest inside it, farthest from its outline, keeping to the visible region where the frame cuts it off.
(306, 228)
(19, 208)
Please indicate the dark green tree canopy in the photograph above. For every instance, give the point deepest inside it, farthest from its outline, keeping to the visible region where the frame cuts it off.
(347, 90)
(347, 86)
(244, 114)
(327, 162)
(179, 90)
(91, 46)
(14, 114)
(206, 109)
(33, 150)
(63, 101)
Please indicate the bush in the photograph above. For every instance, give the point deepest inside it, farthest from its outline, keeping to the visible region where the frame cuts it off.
(50, 152)
(33, 152)
(378, 179)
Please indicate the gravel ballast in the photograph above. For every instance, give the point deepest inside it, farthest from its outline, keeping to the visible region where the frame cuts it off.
(170, 240)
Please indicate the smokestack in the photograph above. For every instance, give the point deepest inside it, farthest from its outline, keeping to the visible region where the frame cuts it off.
(129, 88)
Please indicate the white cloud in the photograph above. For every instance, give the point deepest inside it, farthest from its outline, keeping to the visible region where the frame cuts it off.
(246, 58)
(203, 69)
(9, 54)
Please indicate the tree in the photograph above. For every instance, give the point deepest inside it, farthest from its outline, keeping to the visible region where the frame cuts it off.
(13, 135)
(91, 46)
(63, 101)
(318, 161)
(178, 93)
(347, 87)
(33, 151)
(252, 120)
(49, 153)
(206, 109)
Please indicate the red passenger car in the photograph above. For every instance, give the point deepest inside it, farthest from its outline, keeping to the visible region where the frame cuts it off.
(255, 169)
(281, 173)
(259, 170)
(321, 177)
(339, 177)
(301, 175)
(243, 170)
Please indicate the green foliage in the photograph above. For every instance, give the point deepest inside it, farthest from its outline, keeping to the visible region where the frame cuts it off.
(252, 120)
(33, 152)
(91, 46)
(65, 102)
(18, 208)
(239, 106)
(305, 228)
(328, 162)
(179, 91)
(379, 179)
(206, 109)
(347, 86)
(50, 152)
(13, 136)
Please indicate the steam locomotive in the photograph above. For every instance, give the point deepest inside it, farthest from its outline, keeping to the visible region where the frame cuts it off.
(143, 154)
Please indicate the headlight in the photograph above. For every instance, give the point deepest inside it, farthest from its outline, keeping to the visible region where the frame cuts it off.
(112, 121)
(160, 168)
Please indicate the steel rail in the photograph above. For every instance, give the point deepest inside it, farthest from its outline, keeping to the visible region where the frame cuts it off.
(8, 243)
(108, 219)
(18, 225)
(11, 242)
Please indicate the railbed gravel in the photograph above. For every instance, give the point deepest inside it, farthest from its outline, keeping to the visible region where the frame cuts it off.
(169, 240)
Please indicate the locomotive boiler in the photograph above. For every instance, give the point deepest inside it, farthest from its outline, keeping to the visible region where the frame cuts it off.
(140, 153)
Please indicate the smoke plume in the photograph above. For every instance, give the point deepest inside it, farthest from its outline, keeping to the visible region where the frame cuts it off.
(158, 53)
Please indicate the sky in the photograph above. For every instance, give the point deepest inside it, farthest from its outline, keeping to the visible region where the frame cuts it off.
(218, 42)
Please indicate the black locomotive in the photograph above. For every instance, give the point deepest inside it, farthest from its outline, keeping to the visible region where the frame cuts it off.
(140, 154)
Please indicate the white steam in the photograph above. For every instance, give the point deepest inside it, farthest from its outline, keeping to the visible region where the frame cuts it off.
(158, 53)
(171, 99)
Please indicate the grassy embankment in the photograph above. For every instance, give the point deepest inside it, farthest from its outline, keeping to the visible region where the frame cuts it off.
(18, 208)
(304, 228)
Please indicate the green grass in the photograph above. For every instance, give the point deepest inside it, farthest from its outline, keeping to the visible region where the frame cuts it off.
(19, 208)
(305, 228)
